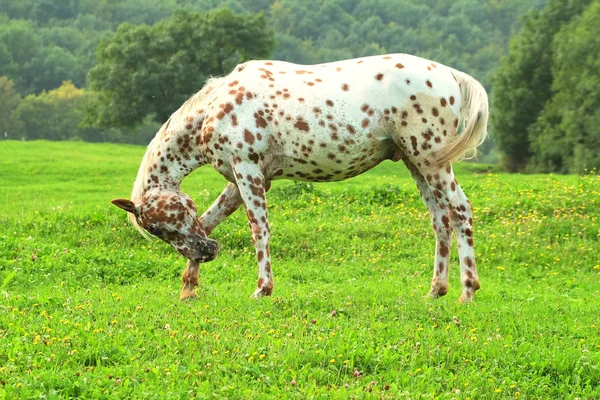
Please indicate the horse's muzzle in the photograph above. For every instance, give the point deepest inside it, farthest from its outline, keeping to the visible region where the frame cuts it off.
(208, 250)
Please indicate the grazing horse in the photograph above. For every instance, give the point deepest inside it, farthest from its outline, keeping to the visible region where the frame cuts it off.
(271, 120)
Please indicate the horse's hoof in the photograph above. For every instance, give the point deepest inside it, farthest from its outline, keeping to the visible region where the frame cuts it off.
(437, 292)
(187, 294)
(261, 292)
(466, 298)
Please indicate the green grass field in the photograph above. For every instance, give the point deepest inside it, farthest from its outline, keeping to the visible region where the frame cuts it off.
(89, 308)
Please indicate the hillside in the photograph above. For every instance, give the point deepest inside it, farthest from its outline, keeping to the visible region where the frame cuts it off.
(45, 43)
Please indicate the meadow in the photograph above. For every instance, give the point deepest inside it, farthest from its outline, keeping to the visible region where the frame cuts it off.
(89, 308)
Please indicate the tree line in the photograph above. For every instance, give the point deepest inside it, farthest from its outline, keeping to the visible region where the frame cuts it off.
(113, 70)
(547, 91)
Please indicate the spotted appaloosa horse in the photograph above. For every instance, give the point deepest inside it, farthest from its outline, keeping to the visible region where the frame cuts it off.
(271, 120)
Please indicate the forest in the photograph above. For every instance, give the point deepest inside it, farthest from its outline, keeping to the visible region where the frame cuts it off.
(113, 70)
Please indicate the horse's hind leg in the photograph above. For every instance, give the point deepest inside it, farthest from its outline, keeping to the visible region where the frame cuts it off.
(449, 196)
(441, 228)
(462, 221)
(227, 202)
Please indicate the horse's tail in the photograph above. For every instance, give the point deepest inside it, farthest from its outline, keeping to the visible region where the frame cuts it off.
(472, 121)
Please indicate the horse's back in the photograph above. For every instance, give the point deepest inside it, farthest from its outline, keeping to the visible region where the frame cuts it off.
(327, 121)
(381, 80)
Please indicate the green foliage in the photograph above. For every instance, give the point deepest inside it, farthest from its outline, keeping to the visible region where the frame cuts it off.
(46, 10)
(152, 70)
(10, 101)
(54, 115)
(46, 42)
(38, 60)
(51, 66)
(58, 115)
(19, 44)
(467, 35)
(16, 9)
(90, 309)
(566, 135)
(116, 12)
(523, 86)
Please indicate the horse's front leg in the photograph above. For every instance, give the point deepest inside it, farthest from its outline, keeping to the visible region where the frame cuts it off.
(228, 201)
(190, 280)
(252, 186)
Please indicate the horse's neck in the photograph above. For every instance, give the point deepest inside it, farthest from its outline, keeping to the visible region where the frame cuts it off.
(168, 160)
(175, 151)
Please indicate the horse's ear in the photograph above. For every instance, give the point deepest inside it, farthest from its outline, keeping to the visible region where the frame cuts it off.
(126, 205)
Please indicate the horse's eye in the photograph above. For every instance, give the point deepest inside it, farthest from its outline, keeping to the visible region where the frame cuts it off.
(153, 230)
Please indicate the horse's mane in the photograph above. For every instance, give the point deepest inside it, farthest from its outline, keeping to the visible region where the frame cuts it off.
(142, 177)
(149, 157)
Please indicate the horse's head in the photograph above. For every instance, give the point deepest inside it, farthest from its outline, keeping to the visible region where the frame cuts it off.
(171, 216)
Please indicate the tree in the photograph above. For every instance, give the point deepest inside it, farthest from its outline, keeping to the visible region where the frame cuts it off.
(44, 10)
(17, 9)
(19, 43)
(10, 101)
(255, 6)
(34, 62)
(152, 70)
(7, 65)
(55, 115)
(52, 66)
(44, 42)
(523, 83)
(566, 135)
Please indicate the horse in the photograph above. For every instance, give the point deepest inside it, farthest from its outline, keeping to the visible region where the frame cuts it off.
(271, 120)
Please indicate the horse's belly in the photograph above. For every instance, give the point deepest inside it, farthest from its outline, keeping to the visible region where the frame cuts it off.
(323, 162)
